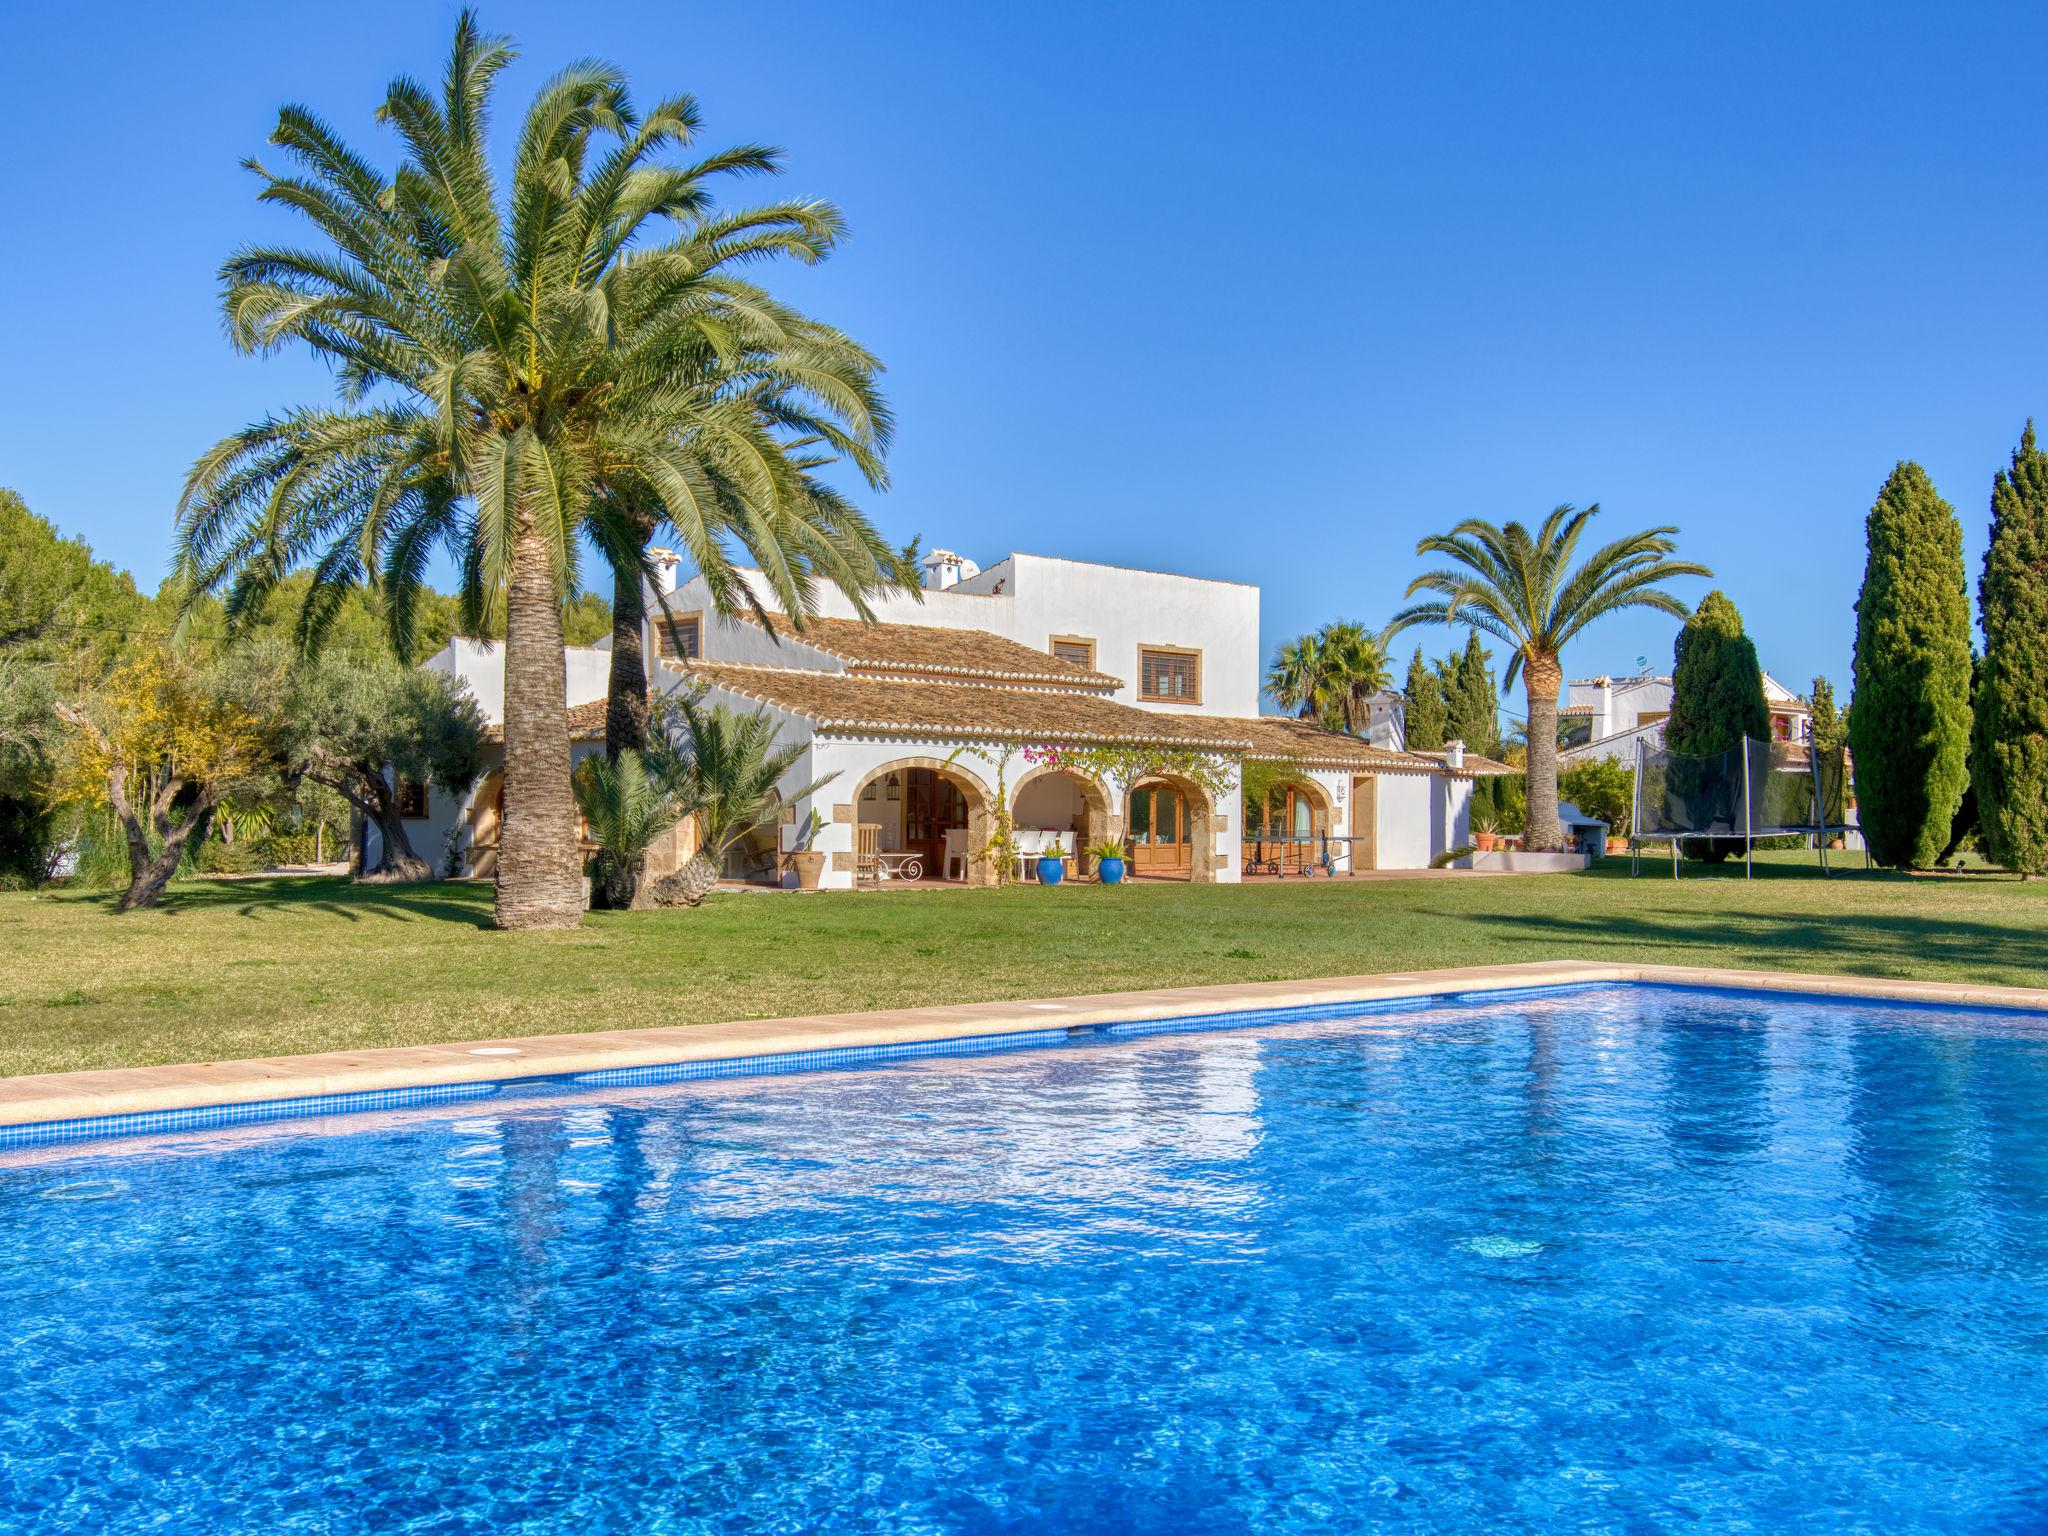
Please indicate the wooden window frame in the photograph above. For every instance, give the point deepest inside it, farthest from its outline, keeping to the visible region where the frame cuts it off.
(409, 793)
(664, 626)
(1195, 656)
(1054, 642)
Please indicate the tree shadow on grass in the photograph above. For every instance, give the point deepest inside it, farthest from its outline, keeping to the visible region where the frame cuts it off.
(1857, 944)
(334, 896)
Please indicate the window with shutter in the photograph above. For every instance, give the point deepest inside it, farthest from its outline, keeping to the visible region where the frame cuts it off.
(412, 799)
(1169, 677)
(1074, 649)
(684, 637)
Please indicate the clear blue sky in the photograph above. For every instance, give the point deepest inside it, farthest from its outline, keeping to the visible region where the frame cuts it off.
(1261, 292)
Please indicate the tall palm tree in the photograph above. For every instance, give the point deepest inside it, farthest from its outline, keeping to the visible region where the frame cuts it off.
(1522, 588)
(1330, 675)
(504, 366)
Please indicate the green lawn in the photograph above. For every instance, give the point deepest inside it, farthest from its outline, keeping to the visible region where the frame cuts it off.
(261, 967)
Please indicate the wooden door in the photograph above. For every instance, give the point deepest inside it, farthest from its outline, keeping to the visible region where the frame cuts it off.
(1159, 831)
(486, 816)
(1365, 822)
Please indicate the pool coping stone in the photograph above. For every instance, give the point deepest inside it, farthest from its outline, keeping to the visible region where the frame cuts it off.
(92, 1095)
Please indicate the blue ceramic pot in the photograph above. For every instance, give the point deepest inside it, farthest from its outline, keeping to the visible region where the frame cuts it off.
(1051, 871)
(1111, 870)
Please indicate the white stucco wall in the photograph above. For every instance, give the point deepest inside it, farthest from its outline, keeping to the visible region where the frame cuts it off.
(1039, 597)
(481, 664)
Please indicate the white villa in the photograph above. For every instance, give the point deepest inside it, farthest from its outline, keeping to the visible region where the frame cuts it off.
(1608, 716)
(921, 718)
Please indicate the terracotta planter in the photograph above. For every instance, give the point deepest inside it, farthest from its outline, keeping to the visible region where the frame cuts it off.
(1484, 841)
(1617, 845)
(809, 866)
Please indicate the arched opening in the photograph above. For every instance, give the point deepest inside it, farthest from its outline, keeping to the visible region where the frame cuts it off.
(1285, 818)
(933, 812)
(1056, 801)
(1169, 826)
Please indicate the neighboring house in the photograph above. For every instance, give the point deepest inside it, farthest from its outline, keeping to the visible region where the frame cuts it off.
(911, 716)
(1607, 716)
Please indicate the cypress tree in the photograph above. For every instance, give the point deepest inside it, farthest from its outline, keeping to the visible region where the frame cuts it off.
(1717, 699)
(1717, 684)
(1909, 723)
(2009, 748)
(1423, 705)
(1472, 698)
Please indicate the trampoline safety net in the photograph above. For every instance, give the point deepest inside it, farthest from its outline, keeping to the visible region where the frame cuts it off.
(1757, 789)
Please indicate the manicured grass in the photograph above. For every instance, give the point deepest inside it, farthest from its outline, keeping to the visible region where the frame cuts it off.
(250, 968)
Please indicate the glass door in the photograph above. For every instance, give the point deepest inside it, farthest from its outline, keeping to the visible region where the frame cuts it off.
(1159, 829)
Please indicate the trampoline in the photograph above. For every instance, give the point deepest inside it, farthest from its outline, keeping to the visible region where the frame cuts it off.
(1756, 789)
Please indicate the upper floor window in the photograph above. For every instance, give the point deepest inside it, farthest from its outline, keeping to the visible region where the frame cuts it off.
(1074, 648)
(412, 799)
(1167, 676)
(680, 635)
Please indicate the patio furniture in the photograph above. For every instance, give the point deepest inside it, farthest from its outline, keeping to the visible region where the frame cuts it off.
(956, 853)
(1033, 843)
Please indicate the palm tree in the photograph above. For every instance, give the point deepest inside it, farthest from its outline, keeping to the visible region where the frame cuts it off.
(729, 769)
(505, 369)
(1330, 675)
(627, 803)
(1521, 588)
(1355, 669)
(1295, 680)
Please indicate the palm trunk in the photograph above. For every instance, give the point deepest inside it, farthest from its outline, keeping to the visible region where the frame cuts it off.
(1542, 831)
(540, 875)
(625, 714)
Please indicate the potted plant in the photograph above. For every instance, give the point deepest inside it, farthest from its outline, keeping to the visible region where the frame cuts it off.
(1109, 860)
(1485, 833)
(808, 863)
(1052, 865)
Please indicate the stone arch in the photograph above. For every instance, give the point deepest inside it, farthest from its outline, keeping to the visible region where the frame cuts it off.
(1262, 856)
(1201, 821)
(980, 805)
(1099, 820)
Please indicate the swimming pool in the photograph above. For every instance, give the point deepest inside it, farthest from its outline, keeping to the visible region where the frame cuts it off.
(1615, 1258)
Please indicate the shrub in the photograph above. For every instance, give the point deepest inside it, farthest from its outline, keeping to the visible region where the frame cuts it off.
(1604, 787)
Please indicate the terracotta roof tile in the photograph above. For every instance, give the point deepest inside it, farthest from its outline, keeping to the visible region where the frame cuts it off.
(841, 704)
(924, 650)
(1282, 738)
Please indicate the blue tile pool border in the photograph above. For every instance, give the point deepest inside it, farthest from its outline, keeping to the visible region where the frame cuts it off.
(204, 1117)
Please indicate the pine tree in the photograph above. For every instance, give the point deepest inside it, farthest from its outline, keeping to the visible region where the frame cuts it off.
(2009, 749)
(1423, 703)
(1909, 723)
(1830, 730)
(1717, 699)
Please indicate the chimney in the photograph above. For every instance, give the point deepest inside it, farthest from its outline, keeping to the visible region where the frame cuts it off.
(665, 563)
(943, 569)
(1454, 754)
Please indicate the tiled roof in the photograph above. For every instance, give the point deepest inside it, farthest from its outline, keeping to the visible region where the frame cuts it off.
(586, 723)
(838, 703)
(1283, 738)
(926, 650)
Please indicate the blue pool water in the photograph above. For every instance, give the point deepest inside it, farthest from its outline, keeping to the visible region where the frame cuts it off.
(1626, 1259)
